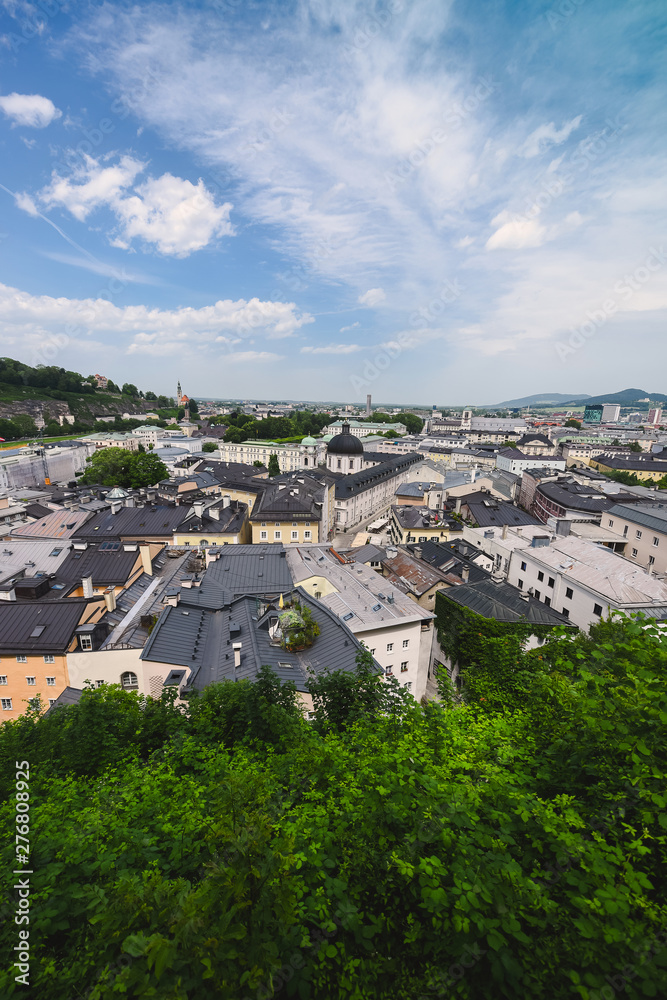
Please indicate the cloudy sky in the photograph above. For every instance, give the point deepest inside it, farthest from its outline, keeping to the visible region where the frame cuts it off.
(431, 201)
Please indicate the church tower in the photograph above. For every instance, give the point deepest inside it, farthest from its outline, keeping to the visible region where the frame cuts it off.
(178, 393)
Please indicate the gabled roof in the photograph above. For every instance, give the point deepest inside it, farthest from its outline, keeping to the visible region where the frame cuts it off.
(40, 626)
(358, 482)
(488, 511)
(106, 565)
(497, 600)
(651, 515)
(59, 524)
(133, 522)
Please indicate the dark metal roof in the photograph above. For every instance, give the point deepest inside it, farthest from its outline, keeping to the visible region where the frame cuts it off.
(358, 482)
(134, 522)
(240, 569)
(498, 600)
(104, 565)
(488, 511)
(203, 641)
(280, 500)
(413, 517)
(651, 515)
(70, 696)
(18, 622)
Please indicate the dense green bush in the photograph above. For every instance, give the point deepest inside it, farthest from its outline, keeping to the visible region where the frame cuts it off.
(385, 850)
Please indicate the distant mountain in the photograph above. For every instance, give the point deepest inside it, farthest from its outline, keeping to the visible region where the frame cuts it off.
(626, 397)
(545, 398)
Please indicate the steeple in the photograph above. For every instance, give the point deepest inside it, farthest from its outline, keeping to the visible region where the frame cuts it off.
(178, 393)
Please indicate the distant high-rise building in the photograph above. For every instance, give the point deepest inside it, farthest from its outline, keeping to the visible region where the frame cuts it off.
(368, 405)
(593, 414)
(610, 413)
(654, 416)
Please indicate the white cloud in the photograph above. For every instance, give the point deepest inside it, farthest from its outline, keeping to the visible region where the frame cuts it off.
(519, 233)
(373, 297)
(515, 233)
(40, 319)
(546, 136)
(31, 110)
(333, 349)
(177, 216)
(172, 214)
(352, 326)
(466, 241)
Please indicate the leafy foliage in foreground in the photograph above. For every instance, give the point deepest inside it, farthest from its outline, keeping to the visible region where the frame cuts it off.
(390, 850)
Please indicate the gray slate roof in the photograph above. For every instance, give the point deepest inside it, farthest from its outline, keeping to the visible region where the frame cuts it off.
(202, 640)
(240, 569)
(500, 601)
(653, 515)
(134, 522)
(55, 621)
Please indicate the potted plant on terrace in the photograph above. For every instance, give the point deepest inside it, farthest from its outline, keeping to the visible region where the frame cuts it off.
(299, 629)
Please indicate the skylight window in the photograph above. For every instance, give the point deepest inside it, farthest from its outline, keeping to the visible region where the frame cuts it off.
(56, 552)
(37, 631)
(347, 617)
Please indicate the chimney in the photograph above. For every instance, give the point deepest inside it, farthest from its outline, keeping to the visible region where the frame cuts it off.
(116, 506)
(8, 593)
(226, 500)
(457, 506)
(198, 508)
(418, 551)
(87, 584)
(146, 560)
(465, 573)
(110, 598)
(130, 502)
(214, 512)
(504, 534)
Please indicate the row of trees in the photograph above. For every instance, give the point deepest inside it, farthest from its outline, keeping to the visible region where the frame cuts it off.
(413, 423)
(243, 427)
(512, 845)
(53, 378)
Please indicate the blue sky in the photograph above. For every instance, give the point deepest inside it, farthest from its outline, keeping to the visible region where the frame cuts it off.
(436, 202)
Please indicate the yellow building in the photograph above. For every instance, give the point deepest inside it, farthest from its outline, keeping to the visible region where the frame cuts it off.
(38, 636)
(418, 524)
(290, 512)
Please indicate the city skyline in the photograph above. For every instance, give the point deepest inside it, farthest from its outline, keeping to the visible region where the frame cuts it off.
(408, 199)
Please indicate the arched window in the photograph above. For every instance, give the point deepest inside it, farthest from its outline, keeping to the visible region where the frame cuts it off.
(129, 681)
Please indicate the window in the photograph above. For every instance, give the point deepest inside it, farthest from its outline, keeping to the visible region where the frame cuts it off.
(520, 584)
(56, 552)
(634, 553)
(404, 666)
(263, 535)
(537, 594)
(423, 538)
(597, 609)
(550, 582)
(406, 643)
(48, 658)
(547, 601)
(540, 576)
(523, 567)
(651, 560)
(372, 652)
(408, 685)
(51, 681)
(339, 463)
(566, 612)
(638, 534)
(263, 524)
(3, 678)
(295, 536)
(99, 684)
(276, 524)
(276, 534)
(656, 541)
(86, 642)
(568, 593)
(129, 681)
(6, 704)
(611, 523)
(389, 669)
(52, 701)
(30, 681)
(390, 646)
(625, 531)
(306, 535)
(21, 659)
(307, 523)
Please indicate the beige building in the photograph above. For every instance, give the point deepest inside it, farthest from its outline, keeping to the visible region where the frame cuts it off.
(291, 457)
(418, 524)
(644, 528)
(112, 439)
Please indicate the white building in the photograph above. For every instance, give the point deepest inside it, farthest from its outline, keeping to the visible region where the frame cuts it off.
(513, 460)
(291, 457)
(582, 580)
(359, 430)
(396, 630)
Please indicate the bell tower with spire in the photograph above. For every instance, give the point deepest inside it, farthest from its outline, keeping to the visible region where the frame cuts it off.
(178, 393)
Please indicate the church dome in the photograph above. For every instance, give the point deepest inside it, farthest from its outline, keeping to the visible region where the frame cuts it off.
(309, 442)
(345, 443)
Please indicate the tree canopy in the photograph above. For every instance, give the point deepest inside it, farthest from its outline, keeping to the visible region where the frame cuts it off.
(120, 467)
(512, 845)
